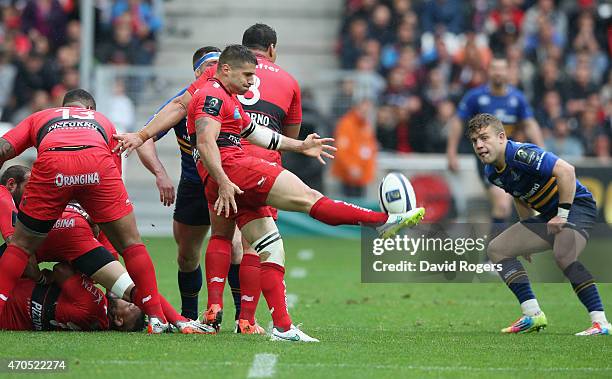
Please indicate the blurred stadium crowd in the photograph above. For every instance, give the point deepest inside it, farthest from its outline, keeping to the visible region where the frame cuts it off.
(414, 60)
(40, 42)
(407, 65)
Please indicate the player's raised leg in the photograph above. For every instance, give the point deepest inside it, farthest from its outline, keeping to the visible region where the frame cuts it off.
(569, 244)
(263, 235)
(291, 194)
(504, 249)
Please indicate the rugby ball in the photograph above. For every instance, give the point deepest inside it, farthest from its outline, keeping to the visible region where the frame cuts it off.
(395, 194)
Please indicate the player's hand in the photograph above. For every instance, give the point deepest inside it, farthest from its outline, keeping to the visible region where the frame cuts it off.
(226, 199)
(315, 146)
(555, 224)
(166, 189)
(453, 162)
(127, 142)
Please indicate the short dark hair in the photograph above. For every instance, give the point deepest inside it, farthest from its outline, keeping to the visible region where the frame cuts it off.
(483, 120)
(81, 96)
(237, 55)
(139, 325)
(16, 172)
(259, 37)
(202, 51)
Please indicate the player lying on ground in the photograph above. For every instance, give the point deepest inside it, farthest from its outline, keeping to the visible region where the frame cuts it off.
(70, 302)
(75, 162)
(244, 187)
(540, 181)
(74, 239)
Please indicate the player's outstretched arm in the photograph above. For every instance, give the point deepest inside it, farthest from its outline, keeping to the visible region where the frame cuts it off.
(452, 144)
(164, 120)
(6, 151)
(148, 156)
(207, 132)
(312, 146)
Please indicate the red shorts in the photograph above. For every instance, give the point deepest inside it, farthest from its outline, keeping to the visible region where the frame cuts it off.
(255, 177)
(70, 238)
(88, 176)
(268, 155)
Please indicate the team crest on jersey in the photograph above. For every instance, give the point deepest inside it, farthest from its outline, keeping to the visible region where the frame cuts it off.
(212, 105)
(237, 114)
(525, 155)
(513, 102)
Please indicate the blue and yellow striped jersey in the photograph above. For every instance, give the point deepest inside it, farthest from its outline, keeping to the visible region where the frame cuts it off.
(511, 108)
(527, 175)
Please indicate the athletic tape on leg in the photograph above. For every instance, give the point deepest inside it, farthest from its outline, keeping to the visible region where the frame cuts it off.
(122, 284)
(270, 248)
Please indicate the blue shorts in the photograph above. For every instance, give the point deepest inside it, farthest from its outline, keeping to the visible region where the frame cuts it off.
(582, 217)
(191, 205)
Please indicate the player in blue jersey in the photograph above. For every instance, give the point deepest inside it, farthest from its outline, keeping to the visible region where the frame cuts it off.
(538, 181)
(191, 219)
(508, 104)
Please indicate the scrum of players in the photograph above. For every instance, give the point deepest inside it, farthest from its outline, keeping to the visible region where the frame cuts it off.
(74, 192)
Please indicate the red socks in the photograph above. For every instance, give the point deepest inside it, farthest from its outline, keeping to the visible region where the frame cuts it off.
(218, 258)
(12, 264)
(336, 212)
(140, 267)
(171, 314)
(273, 288)
(250, 286)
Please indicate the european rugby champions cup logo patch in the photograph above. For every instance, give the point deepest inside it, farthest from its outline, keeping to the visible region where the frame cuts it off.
(237, 114)
(212, 105)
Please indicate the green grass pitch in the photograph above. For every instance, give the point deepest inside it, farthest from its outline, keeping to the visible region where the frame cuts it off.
(366, 330)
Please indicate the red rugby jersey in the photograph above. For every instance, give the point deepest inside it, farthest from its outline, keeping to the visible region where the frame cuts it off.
(80, 306)
(215, 101)
(60, 127)
(8, 213)
(273, 101)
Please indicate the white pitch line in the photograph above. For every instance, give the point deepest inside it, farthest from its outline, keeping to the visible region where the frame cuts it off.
(263, 366)
(292, 300)
(305, 255)
(298, 273)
